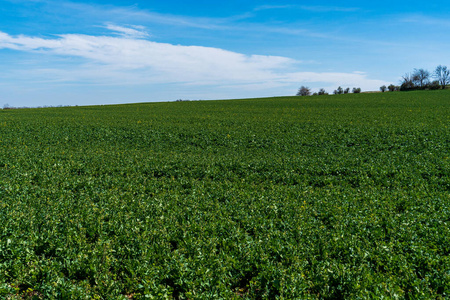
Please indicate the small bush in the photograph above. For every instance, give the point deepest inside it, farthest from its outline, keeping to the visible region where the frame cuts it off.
(304, 91)
(322, 92)
(338, 91)
(393, 88)
(435, 85)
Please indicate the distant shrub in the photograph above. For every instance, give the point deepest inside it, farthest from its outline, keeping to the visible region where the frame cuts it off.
(392, 88)
(304, 91)
(338, 91)
(435, 85)
(322, 92)
(383, 88)
(356, 90)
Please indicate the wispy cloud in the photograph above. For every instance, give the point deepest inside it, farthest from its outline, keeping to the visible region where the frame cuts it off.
(133, 31)
(175, 63)
(424, 20)
(110, 59)
(110, 13)
(269, 7)
(243, 22)
(318, 8)
(312, 8)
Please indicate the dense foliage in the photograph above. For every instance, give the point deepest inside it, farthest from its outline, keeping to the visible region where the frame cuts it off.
(320, 197)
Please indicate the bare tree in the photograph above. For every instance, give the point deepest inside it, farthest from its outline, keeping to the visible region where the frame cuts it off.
(442, 74)
(421, 77)
(383, 88)
(304, 91)
(407, 82)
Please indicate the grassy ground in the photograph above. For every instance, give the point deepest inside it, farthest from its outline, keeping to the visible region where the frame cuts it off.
(298, 197)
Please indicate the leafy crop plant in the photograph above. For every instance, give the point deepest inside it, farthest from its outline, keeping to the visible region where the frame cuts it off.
(326, 197)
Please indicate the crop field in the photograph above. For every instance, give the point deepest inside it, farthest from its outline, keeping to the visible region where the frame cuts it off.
(321, 197)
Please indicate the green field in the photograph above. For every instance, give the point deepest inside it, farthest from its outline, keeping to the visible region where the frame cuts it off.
(322, 197)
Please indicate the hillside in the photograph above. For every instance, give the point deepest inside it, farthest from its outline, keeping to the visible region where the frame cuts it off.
(293, 197)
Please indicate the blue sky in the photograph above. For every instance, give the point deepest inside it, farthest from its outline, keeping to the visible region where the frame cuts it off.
(97, 52)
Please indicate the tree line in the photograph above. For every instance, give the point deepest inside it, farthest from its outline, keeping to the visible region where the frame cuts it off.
(306, 91)
(419, 79)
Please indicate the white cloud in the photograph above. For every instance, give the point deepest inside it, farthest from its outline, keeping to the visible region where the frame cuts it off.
(111, 13)
(111, 59)
(424, 20)
(269, 7)
(319, 8)
(312, 8)
(133, 31)
(174, 62)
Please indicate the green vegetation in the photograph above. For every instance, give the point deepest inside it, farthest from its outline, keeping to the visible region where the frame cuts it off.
(325, 197)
